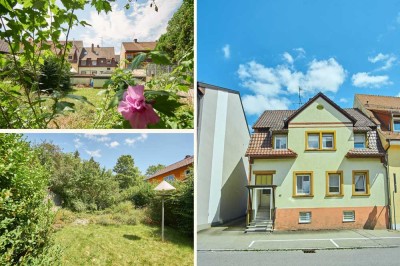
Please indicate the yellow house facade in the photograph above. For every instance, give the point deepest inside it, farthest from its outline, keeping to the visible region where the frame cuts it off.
(318, 167)
(385, 112)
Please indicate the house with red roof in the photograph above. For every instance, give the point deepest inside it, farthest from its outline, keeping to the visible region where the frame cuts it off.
(317, 167)
(175, 171)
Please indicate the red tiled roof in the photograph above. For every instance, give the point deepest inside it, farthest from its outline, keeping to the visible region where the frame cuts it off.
(377, 102)
(374, 149)
(261, 146)
(98, 52)
(187, 161)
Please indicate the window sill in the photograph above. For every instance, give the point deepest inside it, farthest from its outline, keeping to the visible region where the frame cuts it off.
(348, 221)
(320, 150)
(302, 196)
(361, 195)
(334, 195)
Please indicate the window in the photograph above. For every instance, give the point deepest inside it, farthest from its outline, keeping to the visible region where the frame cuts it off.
(320, 141)
(305, 217)
(349, 216)
(94, 63)
(327, 141)
(360, 183)
(334, 183)
(264, 179)
(396, 125)
(359, 141)
(129, 56)
(187, 172)
(280, 142)
(83, 62)
(108, 61)
(169, 178)
(108, 68)
(70, 57)
(302, 184)
(83, 72)
(94, 72)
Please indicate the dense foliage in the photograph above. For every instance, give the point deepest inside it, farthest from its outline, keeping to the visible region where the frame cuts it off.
(54, 75)
(152, 169)
(179, 38)
(127, 174)
(179, 206)
(25, 216)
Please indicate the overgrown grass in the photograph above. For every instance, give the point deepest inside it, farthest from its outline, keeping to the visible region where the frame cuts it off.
(85, 114)
(121, 235)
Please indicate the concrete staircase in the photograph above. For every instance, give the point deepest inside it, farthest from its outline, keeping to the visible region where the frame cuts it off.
(262, 222)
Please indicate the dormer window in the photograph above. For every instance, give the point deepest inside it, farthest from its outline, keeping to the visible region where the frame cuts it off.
(94, 63)
(83, 62)
(280, 142)
(359, 141)
(396, 125)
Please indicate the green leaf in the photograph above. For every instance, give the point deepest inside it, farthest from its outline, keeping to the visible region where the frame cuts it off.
(64, 106)
(6, 5)
(160, 58)
(165, 105)
(137, 61)
(114, 102)
(79, 98)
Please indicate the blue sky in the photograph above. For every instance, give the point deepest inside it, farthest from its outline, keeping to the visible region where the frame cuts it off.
(139, 22)
(146, 149)
(266, 49)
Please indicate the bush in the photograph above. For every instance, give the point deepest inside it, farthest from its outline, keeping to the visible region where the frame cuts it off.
(178, 207)
(141, 195)
(54, 75)
(25, 216)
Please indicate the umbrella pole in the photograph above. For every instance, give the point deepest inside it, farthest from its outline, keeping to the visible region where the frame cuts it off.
(162, 222)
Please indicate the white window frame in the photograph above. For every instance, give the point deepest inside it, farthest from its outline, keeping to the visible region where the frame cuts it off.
(94, 63)
(308, 141)
(70, 57)
(280, 137)
(349, 216)
(333, 141)
(304, 217)
(358, 141)
(302, 184)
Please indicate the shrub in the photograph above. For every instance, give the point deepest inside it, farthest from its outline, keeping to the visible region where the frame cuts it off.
(25, 216)
(178, 206)
(141, 195)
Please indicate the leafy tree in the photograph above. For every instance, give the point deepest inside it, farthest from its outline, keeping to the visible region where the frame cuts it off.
(25, 216)
(152, 169)
(179, 38)
(127, 173)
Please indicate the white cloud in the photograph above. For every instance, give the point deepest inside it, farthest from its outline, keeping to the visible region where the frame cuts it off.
(113, 144)
(364, 79)
(301, 53)
(78, 143)
(139, 22)
(256, 104)
(227, 51)
(99, 137)
(95, 153)
(132, 141)
(398, 95)
(343, 100)
(270, 85)
(288, 58)
(386, 59)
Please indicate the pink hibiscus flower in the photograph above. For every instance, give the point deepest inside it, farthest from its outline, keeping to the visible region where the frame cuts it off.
(134, 108)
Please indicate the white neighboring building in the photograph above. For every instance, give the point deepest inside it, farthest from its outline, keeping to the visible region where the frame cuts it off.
(222, 139)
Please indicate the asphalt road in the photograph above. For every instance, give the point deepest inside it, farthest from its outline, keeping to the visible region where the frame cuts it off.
(362, 257)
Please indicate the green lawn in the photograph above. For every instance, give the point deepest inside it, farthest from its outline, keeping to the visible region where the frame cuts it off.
(123, 245)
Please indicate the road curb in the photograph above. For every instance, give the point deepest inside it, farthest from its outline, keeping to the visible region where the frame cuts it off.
(294, 249)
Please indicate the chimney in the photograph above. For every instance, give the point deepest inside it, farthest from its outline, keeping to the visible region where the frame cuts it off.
(135, 40)
(92, 47)
(98, 46)
(188, 156)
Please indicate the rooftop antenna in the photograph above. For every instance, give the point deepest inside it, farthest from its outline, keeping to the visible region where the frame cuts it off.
(300, 103)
